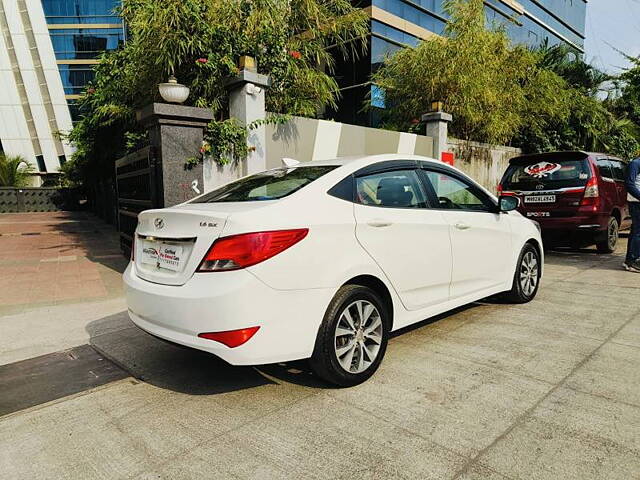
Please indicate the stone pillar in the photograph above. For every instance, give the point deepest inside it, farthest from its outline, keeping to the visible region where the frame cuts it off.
(175, 134)
(246, 103)
(437, 124)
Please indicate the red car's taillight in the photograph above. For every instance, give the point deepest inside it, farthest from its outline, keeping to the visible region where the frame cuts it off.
(240, 251)
(591, 197)
(502, 191)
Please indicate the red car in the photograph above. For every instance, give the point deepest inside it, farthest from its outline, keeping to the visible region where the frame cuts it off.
(577, 198)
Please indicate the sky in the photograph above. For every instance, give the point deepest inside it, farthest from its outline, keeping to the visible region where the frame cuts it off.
(611, 25)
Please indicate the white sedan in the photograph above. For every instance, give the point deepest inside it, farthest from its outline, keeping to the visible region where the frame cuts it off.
(323, 260)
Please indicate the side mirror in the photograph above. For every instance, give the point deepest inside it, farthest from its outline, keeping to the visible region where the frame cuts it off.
(508, 203)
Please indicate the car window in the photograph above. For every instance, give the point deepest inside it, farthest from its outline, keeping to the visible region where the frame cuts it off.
(395, 189)
(454, 194)
(618, 169)
(604, 166)
(529, 173)
(269, 185)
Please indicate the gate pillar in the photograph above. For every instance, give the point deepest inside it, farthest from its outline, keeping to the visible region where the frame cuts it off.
(175, 134)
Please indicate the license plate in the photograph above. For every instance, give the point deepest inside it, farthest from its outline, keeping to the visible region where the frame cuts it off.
(163, 255)
(540, 199)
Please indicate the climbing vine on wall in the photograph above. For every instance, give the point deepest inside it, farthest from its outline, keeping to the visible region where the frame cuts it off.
(227, 141)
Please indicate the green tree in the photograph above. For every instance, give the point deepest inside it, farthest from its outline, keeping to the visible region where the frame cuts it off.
(14, 171)
(627, 103)
(567, 63)
(200, 42)
(491, 88)
(592, 123)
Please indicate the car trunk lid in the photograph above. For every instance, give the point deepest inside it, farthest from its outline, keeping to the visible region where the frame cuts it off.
(170, 243)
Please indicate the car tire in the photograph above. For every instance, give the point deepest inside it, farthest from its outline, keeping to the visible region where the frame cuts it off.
(345, 343)
(527, 268)
(610, 241)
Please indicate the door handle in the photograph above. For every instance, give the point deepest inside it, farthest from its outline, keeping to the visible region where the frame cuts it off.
(379, 223)
(462, 226)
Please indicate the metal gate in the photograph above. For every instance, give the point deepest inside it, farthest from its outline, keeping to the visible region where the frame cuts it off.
(136, 188)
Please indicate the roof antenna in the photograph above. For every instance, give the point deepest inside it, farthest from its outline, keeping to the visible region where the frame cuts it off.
(290, 162)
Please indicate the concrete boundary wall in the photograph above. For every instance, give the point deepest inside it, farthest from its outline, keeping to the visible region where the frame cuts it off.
(483, 162)
(307, 139)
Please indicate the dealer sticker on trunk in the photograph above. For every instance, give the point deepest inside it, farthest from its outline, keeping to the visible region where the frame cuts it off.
(162, 255)
(170, 256)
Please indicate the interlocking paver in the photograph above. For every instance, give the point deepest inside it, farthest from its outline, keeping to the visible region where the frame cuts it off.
(57, 257)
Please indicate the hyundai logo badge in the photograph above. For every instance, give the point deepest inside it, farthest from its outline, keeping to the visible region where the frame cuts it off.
(159, 223)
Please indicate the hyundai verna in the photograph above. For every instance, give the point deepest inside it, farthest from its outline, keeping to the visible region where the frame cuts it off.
(577, 198)
(324, 259)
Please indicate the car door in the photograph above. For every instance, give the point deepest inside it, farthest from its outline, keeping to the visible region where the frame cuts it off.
(619, 174)
(480, 236)
(608, 188)
(409, 242)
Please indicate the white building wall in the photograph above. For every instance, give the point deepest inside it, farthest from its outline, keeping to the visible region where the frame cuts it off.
(34, 61)
(14, 132)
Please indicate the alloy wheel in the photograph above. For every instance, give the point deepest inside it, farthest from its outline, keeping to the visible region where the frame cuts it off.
(358, 336)
(529, 273)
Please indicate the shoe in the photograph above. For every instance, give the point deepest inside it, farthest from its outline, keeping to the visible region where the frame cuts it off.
(632, 267)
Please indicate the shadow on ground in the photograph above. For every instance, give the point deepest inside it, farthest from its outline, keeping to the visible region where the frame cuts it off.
(182, 369)
(164, 364)
(90, 237)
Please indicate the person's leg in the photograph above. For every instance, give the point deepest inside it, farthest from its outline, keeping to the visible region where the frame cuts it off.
(633, 250)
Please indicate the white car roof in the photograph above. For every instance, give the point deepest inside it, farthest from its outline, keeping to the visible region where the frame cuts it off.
(366, 159)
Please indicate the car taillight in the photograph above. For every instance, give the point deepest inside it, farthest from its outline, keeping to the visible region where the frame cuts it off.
(502, 191)
(240, 251)
(231, 338)
(591, 197)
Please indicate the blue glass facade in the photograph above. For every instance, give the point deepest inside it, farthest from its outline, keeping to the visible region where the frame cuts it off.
(80, 31)
(528, 22)
(81, 11)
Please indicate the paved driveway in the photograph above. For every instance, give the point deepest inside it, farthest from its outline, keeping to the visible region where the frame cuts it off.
(545, 390)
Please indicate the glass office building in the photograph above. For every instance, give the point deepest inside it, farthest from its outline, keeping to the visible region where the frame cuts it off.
(47, 51)
(398, 23)
(80, 31)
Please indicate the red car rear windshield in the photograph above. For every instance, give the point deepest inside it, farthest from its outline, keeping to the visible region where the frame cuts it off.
(530, 173)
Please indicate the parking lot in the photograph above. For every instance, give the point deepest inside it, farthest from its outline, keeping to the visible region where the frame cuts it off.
(545, 390)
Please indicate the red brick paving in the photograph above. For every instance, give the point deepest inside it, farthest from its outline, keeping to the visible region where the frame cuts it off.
(57, 257)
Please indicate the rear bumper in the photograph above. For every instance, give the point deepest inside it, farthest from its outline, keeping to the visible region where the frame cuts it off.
(221, 301)
(578, 224)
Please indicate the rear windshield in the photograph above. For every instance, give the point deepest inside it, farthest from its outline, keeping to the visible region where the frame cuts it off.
(270, 185)
(550, 173)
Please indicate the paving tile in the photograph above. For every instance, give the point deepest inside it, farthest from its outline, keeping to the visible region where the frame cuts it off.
(578, 320)
(317, 437)
(482, 472)
(49, 265)
(571, 436)
(595, 295)
(536, 353)
(454, 402)
(630, 334)
(68, 440)
(613, 372)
